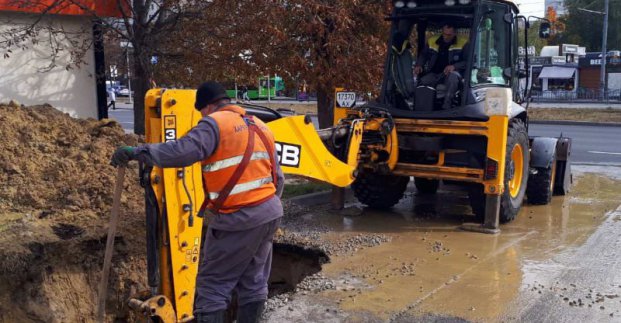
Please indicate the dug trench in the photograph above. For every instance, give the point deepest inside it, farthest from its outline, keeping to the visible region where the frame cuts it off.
(55, 201)
(58, 282)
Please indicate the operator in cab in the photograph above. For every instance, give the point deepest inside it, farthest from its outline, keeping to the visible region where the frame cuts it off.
(243, 184)
(444, 56)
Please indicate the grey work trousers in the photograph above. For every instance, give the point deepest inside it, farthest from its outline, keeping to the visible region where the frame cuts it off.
(451, 82)
(239, 260)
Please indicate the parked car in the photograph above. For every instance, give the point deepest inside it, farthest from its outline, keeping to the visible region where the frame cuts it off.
(123, 91)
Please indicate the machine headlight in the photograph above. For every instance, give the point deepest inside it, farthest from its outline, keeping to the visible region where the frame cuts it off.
(449, 2)
(399, 4)
(412, 4)
(464, 2)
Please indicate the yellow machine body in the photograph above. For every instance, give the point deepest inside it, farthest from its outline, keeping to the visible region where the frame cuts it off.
(303, 153)
(169, 115)
(495, 130)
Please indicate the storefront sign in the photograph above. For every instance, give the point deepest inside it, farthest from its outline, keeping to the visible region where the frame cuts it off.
(559, 60)
(539, 60)
(531, 51)
(598, 61)
(569, 49)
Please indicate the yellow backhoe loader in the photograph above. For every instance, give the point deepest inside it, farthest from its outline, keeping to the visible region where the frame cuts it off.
(482, 143)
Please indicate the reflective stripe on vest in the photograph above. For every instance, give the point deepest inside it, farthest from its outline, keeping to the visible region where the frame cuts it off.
(244, 187)
(234, 161)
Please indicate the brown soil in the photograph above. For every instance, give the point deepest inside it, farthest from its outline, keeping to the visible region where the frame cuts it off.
(55, 201)
(299, 108)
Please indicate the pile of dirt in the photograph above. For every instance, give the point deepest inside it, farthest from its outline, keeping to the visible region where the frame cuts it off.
(55, 200)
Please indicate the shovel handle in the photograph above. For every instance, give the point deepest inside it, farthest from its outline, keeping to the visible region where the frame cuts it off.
(114, 220)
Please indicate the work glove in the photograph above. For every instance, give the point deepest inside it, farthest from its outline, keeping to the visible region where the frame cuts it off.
(122, 156)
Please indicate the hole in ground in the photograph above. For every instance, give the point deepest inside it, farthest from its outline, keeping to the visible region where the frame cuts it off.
(291, 264)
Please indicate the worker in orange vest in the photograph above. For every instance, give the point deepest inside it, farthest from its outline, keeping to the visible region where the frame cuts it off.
(243, 185)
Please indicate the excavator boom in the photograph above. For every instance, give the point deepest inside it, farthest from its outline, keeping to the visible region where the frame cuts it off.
(173, 195)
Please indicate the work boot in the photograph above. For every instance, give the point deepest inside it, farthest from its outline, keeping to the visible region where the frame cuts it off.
(210, 317)
(250, 313)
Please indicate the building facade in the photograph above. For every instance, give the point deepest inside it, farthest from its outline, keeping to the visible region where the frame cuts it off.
(43, 70)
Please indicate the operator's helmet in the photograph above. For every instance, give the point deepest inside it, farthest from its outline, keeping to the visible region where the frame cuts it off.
(208, 93)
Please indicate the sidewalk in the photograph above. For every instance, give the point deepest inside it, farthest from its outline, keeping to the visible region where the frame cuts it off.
(124, 114)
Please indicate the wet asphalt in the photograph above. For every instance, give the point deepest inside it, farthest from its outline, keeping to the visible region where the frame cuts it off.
(590, 143)
(555, 263)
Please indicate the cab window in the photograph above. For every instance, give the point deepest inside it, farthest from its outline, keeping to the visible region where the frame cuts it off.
(492, 52)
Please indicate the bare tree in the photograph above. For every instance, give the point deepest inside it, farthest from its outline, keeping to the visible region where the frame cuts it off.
(228, 42)
(333, 43)
(321, 42)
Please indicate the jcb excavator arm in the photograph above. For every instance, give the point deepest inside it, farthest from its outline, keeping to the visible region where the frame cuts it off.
(173, 195)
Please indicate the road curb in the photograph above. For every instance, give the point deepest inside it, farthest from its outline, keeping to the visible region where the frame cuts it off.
(575, 123)
(558, 122)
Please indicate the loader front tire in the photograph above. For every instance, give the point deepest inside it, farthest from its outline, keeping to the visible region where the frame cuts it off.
(379, 191)
(541, 185)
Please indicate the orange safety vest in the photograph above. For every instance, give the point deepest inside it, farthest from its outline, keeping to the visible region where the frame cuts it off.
(240, 172)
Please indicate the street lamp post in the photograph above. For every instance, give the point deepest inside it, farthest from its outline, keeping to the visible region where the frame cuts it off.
(127, 45)
(129, 77)
(268, 88)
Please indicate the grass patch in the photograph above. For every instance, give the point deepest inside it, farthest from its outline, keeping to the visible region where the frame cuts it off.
(586, 115)
(301, 188)
(606, 115)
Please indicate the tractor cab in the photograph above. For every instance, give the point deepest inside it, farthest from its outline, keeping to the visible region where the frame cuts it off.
(481, 53)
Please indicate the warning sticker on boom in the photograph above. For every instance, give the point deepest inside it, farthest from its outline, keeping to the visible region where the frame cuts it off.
(345, 99)
(170, 128)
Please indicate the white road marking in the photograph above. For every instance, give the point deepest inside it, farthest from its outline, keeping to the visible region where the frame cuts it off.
(604, 152)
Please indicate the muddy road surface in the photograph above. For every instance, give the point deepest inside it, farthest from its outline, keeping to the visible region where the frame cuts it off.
(555, 263)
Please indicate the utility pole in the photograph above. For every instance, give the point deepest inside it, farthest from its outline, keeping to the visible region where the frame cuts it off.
(602, 75)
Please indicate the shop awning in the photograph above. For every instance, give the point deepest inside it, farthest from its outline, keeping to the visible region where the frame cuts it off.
(557, 72)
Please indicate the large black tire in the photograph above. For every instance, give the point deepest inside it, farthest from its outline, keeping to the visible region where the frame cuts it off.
(379, 191)
(426, 186)
(509, 204)
(541, 185)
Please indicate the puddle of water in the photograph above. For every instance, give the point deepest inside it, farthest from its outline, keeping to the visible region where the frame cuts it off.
(463, 274)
